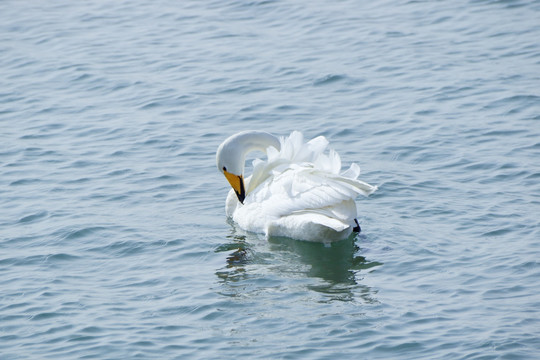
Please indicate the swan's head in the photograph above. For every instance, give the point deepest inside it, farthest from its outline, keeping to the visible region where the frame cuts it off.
(231, 155)
(230, 161)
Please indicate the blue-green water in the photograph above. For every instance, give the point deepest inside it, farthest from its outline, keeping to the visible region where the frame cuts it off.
(113, 238)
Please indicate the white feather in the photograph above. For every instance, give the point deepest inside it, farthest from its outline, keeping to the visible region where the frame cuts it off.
(299, 193)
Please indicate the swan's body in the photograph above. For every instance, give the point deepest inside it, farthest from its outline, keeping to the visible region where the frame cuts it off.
(298, 192)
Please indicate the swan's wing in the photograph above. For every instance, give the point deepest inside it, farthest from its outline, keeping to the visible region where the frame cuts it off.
(310, 155)
(301, 188)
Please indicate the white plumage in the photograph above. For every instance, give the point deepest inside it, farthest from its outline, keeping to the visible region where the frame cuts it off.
(298, 192)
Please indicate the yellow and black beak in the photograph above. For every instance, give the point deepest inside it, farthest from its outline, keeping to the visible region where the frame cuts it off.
(237, 183)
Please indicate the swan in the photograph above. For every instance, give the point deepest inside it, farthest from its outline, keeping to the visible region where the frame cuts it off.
(298, 192)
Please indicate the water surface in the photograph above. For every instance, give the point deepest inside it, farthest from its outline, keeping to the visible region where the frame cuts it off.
(113, 238)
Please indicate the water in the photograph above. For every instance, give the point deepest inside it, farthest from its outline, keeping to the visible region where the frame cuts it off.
(113, 239)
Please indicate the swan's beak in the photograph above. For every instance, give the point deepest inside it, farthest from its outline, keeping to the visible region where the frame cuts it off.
(237, 183)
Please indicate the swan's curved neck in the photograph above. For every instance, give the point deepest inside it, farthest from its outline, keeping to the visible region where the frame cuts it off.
(241, 144)
(257, 140)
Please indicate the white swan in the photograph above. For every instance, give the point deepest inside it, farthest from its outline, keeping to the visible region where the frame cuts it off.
(298, 192)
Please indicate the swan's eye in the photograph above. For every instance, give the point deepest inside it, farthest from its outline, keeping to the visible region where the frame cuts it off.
(224, 168)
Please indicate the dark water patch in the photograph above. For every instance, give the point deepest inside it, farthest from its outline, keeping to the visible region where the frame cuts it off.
(62, 330)
(508, 4)
(45, 316)
(82, 233)
(151, 105)
(390, 69)
(93, 330)
(507, 133)
(442, 19)
(36, 136)
(61, 257)
(480, 166)
(533, 176)
(6, 338)
(510, 176)
(143, 343)
(505, 293)
(401, 349)
(82, 77)
(82, 338)
(119, 198)
(396, 34)
(498, 232)
(82, 180)
(522, 101)
(13, 318)
(26, 182)
(13, 306)
(38, 259)
(82, 164)
(152, 141)
(34, 217)
(17, 241)
(166, 177)
(23, 260)
(120, 153)
(286, 108)
(426, 112)
(329, 79)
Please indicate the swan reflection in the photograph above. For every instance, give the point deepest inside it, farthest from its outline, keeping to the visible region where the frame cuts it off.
(334, 270)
